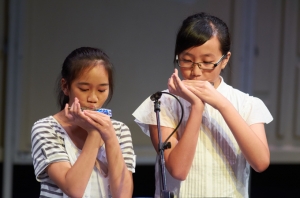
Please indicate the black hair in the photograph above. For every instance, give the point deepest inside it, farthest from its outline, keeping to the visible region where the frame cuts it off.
(77, 61)
(198, 28)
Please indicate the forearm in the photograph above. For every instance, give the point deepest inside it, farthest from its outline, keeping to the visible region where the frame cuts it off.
(79, 174)
(120, 177)
(180, 159)
(253, 148)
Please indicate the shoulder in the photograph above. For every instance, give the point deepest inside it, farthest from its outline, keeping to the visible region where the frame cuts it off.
(120, 127)
(47, 122)
(252, 108)
(232, 94)
(46, 128)
(167, 97)
(170, 103)
(241, 100)
(117, 124)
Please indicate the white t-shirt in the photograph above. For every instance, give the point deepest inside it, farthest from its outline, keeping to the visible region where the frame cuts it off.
(219, 168)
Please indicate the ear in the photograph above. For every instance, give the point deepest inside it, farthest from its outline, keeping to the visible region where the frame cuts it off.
(225, 60)
(64, 86)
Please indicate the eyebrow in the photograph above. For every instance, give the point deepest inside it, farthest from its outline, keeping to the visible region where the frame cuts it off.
(85, 83)
(204, 55)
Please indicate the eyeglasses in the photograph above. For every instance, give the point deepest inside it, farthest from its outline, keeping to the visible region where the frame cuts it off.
(202, 65)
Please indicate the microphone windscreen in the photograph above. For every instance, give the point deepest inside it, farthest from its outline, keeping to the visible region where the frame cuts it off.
(156, 96)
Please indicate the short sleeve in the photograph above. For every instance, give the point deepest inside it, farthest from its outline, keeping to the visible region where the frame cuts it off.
(46, 147)
(257, 112)
(145, 114)
(126, 145)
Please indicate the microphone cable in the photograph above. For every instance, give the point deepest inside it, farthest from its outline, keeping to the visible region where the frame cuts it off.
(182, 113)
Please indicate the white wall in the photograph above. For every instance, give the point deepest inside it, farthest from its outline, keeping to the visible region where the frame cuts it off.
(139, 36)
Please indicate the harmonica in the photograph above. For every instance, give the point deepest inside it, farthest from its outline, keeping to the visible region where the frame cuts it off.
(101, 110)
(105, 111)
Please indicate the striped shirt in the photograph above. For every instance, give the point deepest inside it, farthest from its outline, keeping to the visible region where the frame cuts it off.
(47, 146)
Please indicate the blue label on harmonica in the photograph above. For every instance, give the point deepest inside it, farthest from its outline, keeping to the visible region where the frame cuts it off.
(105, 111)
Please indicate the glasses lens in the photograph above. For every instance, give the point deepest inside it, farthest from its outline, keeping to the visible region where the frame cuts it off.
(185, 63)
(207, 65)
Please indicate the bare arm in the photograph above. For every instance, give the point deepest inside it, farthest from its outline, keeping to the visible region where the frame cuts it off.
(251, 139)
(120, 178)
(180, 156)
(72, 180)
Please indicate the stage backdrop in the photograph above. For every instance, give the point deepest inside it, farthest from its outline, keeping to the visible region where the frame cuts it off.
(139, 36)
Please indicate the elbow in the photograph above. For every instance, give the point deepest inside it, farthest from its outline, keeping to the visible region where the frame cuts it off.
(180, 175)
(74, 192)
(262, 165)
(261, 168)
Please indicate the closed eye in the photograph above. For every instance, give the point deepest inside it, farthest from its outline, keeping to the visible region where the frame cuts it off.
(186, 61)
(83, 89)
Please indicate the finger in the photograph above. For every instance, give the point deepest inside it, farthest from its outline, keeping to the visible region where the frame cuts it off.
(170, 81)
(90, 120)
(67, 112)
(173, 79)
(66, 109)
(193, 82)
(176, 71)
(77, 108)
(96, 113)
(171, 85)
(177, 82)
(190, 88)
(97, 117)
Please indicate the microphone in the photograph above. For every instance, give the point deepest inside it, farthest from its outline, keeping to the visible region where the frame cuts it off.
(156, 96)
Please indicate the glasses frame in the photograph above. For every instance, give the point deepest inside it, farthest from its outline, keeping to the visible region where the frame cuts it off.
(199, 63)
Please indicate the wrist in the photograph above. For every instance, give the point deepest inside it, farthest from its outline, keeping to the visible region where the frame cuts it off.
(93, 132)
(198, 106)
(94, 136)
(110, 141)
(223, 106)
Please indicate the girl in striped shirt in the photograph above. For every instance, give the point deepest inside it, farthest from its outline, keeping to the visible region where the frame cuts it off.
(80, 152)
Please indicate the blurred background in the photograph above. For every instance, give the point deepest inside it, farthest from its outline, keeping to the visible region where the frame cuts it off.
(139, 36)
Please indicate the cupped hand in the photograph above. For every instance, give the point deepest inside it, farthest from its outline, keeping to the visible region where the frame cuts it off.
(101, 122)
(76, 116)
(177, 87)
(205, 91)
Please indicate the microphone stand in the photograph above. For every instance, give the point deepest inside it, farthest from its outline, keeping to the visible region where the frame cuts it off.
(161, 147)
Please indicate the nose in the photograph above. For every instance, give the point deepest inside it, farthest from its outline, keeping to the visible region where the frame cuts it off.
(92, 97)
(196, 71)
(198, 65)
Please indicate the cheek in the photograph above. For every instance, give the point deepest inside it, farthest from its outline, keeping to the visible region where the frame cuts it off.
(185, 73)
(78, 94)
(105, 95)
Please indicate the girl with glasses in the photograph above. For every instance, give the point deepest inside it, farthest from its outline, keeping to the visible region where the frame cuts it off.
(222, 131)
